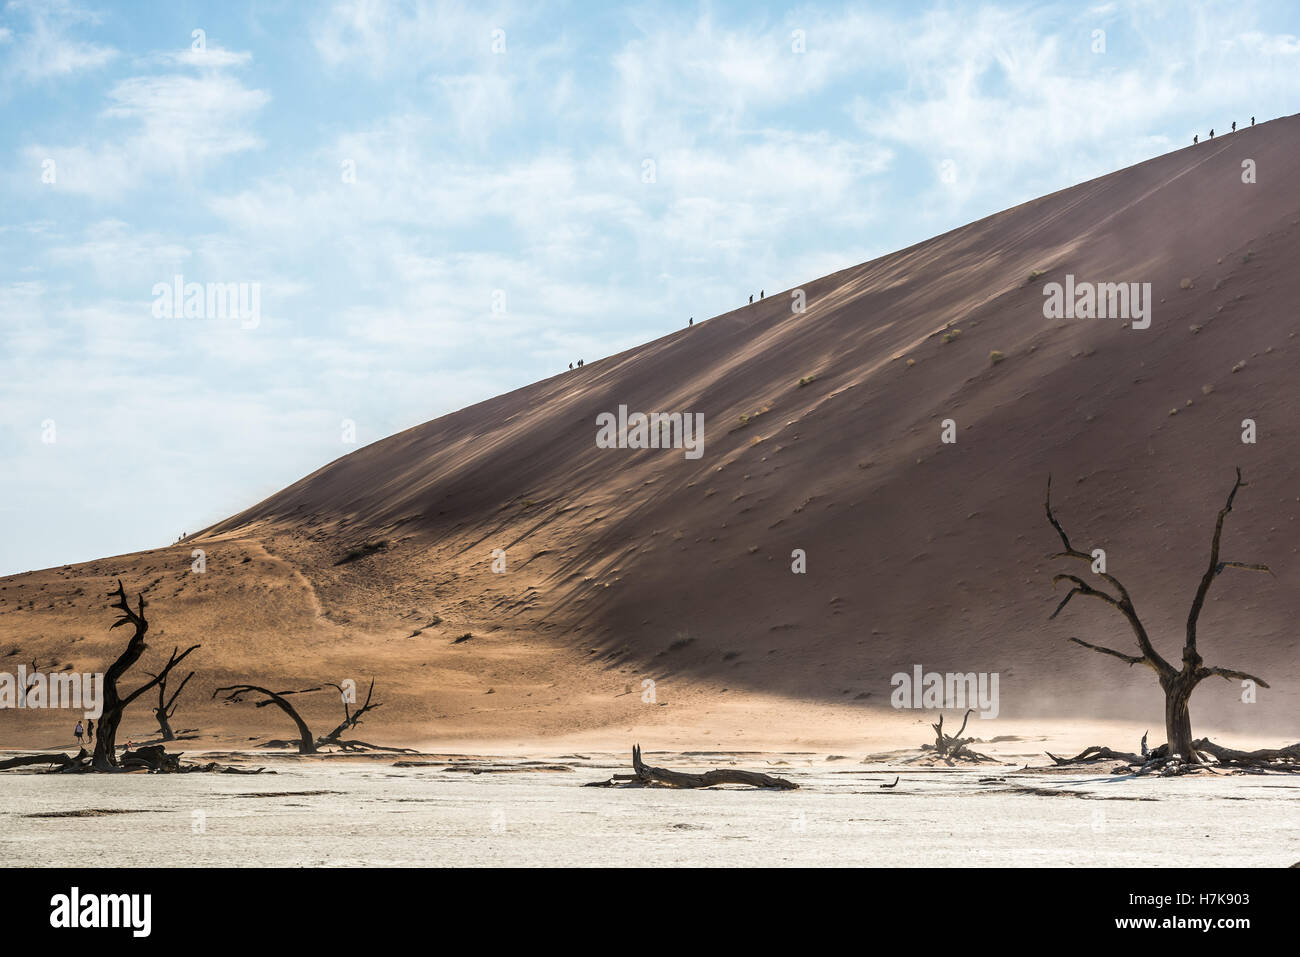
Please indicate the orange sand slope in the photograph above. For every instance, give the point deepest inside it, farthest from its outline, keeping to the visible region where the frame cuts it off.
(625, 565)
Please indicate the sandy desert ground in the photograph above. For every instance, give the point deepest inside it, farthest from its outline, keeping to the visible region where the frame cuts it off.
(625, 566)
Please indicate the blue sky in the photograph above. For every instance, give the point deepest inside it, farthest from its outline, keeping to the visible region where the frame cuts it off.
(494, 169)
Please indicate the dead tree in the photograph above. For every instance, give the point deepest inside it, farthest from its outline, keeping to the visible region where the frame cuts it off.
(306, 743)
(114, 703)
(953, 747)
(350, 720)
(167, 706)
(31, 682)
(1177, 683)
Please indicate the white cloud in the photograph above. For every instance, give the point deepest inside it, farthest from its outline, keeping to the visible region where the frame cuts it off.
(44, 50)
(380, 36)
(179, 125)
(210, 57)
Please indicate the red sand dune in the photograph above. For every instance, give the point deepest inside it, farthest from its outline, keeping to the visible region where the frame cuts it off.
(625, 565)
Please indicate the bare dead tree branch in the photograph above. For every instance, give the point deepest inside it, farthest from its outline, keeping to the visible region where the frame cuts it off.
(350, 718)
(306, 743)
(1124, 604)
(1131, 659)
(166, 707)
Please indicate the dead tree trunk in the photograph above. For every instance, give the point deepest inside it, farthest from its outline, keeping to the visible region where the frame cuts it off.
(306, 743)
(350, 720)
(105, 758)
(1177, 683)
(166, 707)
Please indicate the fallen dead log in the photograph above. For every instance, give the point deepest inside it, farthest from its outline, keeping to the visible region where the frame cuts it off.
(662, 777)
(1205, 756)
(353, 745)
(1097, 753)
(1277, 759)
(58, 759)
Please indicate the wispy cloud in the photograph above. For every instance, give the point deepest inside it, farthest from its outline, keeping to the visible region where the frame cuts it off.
(43, 47)
(175, 125)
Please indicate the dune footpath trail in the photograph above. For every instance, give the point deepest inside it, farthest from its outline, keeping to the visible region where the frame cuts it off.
(822, 433)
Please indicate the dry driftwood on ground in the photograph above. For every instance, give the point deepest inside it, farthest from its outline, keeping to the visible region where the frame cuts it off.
(953, 747)
(646, 776)
(1205, 756)
(152, 758)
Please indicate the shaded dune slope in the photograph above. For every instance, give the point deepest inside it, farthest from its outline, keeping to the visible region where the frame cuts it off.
(626, 564)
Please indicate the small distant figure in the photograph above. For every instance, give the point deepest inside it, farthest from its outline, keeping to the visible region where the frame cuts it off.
(579, 363)
(1252, 121)
(692, 322)
(1211, 133)
(751, 298)
(1196, 139)
(760, 294)
(1234, 126)
(90, 731)
(80, 731)
(570, 365)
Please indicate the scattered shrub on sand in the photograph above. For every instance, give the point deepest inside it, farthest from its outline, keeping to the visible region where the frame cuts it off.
(995, 357)
(744, 421)
(1239, 366)
(950, 335)
(807, 380)
(361, 551)
(1206, 389)
(910, 363)
(1037, 274)
(465, 637)
(1184, 283)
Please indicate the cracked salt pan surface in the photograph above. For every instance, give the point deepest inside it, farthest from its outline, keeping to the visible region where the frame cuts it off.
(358, 814)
